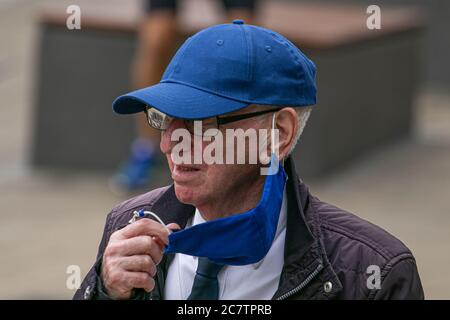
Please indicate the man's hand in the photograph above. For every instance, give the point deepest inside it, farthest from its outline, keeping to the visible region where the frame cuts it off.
(131, 257)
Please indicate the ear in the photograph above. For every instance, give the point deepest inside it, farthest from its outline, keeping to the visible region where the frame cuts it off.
(287, 124)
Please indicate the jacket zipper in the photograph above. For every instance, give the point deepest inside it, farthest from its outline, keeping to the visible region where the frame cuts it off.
(303, 284)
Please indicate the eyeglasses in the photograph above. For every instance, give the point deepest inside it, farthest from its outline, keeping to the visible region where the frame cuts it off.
(209, 126)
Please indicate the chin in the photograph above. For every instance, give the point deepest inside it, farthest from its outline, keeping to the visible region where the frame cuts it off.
(185, 194)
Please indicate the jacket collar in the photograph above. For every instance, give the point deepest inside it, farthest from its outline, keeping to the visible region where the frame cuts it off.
(306, 267)
(305, 260)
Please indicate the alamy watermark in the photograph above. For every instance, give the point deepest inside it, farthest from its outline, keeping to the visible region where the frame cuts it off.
(374, 279)
(73, 281)
(373, 21)
(73, 21)
(236, 146)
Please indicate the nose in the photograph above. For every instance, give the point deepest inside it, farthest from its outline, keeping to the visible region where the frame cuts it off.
(166, 143)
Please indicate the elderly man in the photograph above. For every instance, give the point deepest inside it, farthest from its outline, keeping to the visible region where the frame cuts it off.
(227, 229)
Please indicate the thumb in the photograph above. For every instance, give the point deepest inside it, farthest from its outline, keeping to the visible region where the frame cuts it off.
(173, 226)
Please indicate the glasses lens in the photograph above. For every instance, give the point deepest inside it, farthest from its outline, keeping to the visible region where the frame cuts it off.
(157, 119)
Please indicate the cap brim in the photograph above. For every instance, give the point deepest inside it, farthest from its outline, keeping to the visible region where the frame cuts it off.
(176, 100)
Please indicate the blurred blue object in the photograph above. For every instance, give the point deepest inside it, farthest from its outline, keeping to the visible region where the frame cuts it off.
(135, 173)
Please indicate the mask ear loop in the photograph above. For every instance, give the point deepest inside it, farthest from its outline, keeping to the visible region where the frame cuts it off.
(274, 163)
(141, 214)
(272, 135)
(272, 147)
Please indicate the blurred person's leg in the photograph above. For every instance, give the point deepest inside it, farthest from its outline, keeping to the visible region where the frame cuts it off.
(157, 38)
(156, 42)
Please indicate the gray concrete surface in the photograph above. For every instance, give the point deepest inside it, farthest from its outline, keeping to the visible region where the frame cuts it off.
(50, 220)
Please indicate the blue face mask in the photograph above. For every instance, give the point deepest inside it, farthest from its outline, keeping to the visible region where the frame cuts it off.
(239, 239)
(242, 238)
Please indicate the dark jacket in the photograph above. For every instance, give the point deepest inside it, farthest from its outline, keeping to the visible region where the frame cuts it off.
(329, 253)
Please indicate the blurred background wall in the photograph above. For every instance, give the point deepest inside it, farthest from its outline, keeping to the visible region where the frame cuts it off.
(51, 216)
(436, 67)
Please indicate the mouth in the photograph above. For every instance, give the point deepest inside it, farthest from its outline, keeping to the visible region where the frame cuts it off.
(186, 168)
(184, 173)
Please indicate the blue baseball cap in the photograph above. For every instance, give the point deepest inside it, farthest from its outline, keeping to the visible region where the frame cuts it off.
(225, 68)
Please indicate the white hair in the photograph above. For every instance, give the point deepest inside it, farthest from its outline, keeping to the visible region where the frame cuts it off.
(303, 114)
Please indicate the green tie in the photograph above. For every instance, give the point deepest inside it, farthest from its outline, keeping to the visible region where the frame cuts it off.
(206, 284)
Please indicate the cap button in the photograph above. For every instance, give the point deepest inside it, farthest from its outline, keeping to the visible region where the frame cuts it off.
(238, 21)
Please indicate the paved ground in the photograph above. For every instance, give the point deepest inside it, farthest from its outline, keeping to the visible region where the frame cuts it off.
(404, 187)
